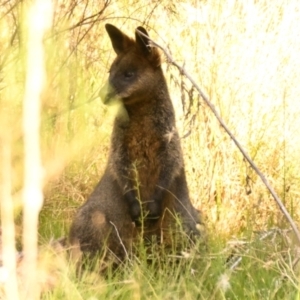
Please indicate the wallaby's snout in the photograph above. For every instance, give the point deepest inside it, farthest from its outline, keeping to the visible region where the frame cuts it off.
(108, 94)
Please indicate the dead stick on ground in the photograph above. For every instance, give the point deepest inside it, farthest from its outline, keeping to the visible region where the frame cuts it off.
(222, 123)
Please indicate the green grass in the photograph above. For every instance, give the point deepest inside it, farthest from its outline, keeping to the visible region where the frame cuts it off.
(264, 272)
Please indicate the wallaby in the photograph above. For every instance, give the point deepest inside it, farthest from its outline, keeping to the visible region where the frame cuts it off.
(144, 181)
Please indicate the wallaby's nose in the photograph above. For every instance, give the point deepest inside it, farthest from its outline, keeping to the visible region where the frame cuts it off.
(107, 93)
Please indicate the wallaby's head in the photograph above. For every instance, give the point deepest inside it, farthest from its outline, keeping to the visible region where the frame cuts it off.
(136, 71)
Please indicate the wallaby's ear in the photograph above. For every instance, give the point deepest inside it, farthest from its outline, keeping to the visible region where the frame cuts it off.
(143, 40)
(120, 41)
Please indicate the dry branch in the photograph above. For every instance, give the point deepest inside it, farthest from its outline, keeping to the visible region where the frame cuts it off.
(39, 18)
(7, 236)
(91, 19)
(239, 146)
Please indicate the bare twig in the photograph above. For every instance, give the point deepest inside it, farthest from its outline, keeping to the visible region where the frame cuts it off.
(239, 146)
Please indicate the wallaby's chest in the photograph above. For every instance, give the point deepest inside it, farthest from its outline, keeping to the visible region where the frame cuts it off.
(143, 144)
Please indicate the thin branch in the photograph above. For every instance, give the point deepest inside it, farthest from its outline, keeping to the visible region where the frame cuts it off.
(121, 242)
(239, 146)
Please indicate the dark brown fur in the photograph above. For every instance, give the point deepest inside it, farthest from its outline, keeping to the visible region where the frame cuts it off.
(144, 181)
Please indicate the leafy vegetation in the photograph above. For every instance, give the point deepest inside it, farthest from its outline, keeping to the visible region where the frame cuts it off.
(245, 57)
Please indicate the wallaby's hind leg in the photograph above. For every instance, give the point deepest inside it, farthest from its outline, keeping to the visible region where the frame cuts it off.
(179, 203)
(103, 223)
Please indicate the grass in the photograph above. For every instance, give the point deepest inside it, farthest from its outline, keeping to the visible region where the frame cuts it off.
(245, 57)
(263, 273)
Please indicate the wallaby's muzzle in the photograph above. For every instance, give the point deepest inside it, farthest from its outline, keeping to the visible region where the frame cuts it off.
(108, 94)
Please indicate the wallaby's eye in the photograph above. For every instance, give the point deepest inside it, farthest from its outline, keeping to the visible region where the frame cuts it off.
(128, 74)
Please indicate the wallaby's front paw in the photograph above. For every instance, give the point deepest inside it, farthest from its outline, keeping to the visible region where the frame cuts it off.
(154, 210)
(135, 210)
